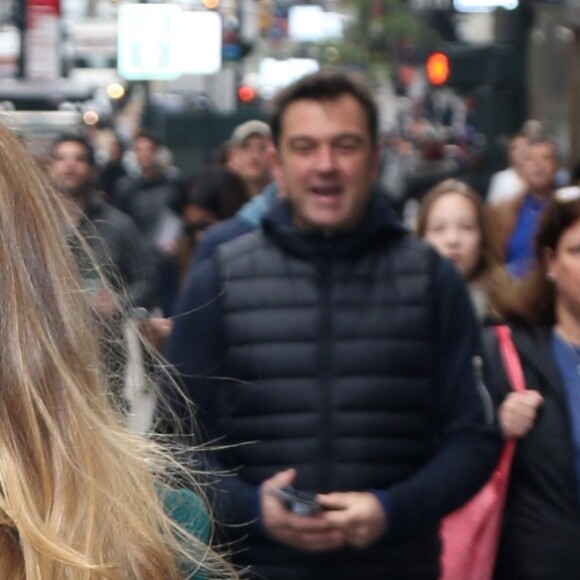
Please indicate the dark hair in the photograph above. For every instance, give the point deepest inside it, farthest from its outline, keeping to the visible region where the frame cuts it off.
(508, 142)
(537, 304)
(150, 136)
(222, 154)
(217, 189)
(80, 140)
(324, 86)
(545, 140)
(120, 141)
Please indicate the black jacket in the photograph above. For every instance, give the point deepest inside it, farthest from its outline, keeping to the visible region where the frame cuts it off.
(120, 251)
(351, 360)
(541, 535)
(146, 201)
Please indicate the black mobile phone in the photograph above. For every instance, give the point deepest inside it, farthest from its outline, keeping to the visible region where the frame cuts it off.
(140, 313)
(299, 502)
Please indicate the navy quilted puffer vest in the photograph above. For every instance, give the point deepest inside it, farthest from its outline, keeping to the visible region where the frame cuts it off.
(330, 344)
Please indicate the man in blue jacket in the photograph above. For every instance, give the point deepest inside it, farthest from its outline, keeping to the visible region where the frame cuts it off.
(332, 351)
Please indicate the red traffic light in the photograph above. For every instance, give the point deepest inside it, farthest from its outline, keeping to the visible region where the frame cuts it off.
(246, 94)
(437, 67)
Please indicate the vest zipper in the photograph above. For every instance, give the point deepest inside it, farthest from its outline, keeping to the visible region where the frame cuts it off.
(326, 376)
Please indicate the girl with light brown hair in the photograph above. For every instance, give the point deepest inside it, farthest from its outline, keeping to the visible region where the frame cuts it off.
(80, 497)
(452, 217)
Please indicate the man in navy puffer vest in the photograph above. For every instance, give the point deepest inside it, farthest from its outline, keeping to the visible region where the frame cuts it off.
(333, 351)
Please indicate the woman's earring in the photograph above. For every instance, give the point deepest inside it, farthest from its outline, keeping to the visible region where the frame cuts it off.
(550, 276)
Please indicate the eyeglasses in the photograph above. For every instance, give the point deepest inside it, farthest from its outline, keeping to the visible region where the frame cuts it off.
(567, 194)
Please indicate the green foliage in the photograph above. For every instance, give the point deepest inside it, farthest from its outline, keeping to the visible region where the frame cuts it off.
(342, 52)
(383, 25)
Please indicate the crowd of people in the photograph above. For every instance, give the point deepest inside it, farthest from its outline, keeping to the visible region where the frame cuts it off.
(331, 375)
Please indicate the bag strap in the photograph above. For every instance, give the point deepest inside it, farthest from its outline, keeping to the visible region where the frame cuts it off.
(511, 360)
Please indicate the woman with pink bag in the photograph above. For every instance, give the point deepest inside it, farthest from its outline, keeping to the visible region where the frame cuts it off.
(541, 528)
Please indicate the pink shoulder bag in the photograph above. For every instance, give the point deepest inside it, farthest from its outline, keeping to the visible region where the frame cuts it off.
(470, 535)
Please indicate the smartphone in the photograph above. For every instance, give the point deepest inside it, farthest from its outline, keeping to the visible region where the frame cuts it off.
(140, 313)
(298, 502)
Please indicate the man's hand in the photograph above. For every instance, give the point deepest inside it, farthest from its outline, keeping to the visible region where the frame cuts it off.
(517, 414)
(358, 515)
(169, 249)
(156, 331)
(309, 533)
(104, 302)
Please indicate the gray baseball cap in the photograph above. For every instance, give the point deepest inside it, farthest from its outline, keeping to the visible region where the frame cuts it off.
(245, 130)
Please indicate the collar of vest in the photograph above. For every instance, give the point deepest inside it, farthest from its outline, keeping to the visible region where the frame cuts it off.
(380, 222)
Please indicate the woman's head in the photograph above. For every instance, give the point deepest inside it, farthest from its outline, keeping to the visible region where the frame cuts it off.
(554, 283)
(558, 252)
(452, 219)
(212, 194)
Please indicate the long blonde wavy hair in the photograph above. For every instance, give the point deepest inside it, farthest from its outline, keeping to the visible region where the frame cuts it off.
(79, 495)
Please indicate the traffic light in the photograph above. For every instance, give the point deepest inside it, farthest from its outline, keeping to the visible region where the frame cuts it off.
(465, 66)
(233, 51)
(246, 94)
(437, 68)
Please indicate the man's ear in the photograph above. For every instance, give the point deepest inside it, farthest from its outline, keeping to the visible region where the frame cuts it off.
(376, 161)
(277, 171)
(49, 168)
(232, 162)
(548, 256)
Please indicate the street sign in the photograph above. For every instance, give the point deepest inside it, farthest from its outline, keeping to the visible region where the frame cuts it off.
(162, 42)
(199, 44)
(42, 39)
(310, 23)
(91, 37)
(484, 5)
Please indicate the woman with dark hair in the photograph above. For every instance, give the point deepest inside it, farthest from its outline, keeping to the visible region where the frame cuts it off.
(212, 194)
(541, 532)
(453, 219)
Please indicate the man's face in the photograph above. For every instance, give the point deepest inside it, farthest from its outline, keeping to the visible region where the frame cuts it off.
(540, 167)
(326, 163)
(72, 172)
(145, 152)
(252, 159)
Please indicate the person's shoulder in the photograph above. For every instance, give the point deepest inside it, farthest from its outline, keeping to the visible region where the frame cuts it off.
(243, 244)
(529, 337)
(536, 336)
(186, 508)
(225, 231)
(511, 204)
(505, 175)
(412, 244)
(449, 288)
(502, 210)
(116, 218)
(219, 234)
(125, 183)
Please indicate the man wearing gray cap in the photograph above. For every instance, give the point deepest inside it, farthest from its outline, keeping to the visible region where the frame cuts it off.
(249, 155)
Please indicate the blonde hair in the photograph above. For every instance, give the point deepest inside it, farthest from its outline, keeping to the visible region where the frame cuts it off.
(489, 273)
(80, 497)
